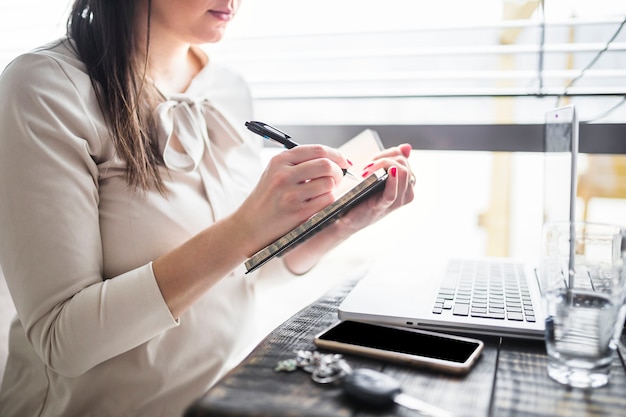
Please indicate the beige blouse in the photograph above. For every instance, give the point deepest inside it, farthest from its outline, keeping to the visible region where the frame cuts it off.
(93, 336)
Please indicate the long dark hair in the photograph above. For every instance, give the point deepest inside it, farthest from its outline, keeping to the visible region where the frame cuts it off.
(104, 36)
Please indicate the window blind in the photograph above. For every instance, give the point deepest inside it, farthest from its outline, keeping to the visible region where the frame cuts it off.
(463, 62)
(402, 61)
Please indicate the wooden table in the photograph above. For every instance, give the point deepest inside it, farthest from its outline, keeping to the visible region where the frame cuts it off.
(510, 379)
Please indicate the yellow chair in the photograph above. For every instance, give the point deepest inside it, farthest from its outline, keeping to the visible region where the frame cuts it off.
(605, 177)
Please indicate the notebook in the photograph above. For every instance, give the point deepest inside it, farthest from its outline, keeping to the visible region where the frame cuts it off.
(491, 296)
(351, 191)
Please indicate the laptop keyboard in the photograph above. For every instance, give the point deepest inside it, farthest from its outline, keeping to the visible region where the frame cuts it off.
(485, 289)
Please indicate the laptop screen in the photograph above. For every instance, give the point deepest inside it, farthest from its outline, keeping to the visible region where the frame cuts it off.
(560, 154)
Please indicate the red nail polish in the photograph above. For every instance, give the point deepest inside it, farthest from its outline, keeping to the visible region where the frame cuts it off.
(365, 174)
(350, 162)
(393, 171)
(368, 166)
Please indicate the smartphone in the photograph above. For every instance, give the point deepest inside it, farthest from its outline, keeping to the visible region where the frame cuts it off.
(448, 353)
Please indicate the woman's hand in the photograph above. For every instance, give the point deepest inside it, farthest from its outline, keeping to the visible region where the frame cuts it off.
(296, 184)
(398, 190)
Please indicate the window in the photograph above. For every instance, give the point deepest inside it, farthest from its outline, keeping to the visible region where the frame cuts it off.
(403, 61)
(412, 62)
(26, 25)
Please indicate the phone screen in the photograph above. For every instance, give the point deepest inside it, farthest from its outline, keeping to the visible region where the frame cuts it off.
(417, 343)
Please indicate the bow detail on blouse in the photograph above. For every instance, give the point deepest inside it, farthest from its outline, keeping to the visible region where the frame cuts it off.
(206, 137)
(190, 120)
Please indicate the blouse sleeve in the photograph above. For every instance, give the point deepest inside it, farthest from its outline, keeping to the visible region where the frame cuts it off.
(50, 244)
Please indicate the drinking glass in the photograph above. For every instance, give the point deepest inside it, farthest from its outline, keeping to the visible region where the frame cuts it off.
(583, 284)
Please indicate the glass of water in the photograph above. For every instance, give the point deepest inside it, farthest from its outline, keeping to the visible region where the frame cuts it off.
(583, 281)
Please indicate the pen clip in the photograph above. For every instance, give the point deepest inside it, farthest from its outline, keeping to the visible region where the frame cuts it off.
(266, 130)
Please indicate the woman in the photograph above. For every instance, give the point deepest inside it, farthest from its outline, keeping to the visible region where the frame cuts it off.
(131, 197)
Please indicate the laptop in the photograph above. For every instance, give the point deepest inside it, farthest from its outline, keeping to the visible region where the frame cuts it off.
(490, 296)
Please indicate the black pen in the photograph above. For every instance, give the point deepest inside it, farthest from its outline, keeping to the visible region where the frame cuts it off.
(270, 132)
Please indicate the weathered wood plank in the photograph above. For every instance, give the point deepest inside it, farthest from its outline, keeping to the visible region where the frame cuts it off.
(523, 387)
(465, 396)
(255, 389)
